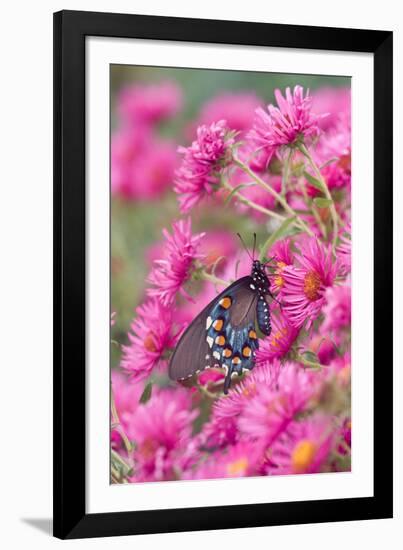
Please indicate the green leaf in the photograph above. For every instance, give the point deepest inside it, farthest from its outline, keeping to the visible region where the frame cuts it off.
(275, 236)
(235, 190)
(310, 356)
(313, 181)
(322, 202)
(330, 161)
(145, 396)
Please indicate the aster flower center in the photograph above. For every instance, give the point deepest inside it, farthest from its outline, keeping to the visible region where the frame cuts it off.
(149, 342)
(250, 391)
(303, 455)
(278, 279)
(312, 283)
(276, 338)
(238, 466)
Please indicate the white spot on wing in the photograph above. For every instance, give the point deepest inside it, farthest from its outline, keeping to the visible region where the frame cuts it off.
(252, 287)
(209, 320)
(210, 341)
(216, 355)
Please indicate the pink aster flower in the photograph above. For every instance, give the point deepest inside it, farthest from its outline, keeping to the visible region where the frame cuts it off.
(303, 448)
(304, 286)
(161, 430)
(202, 162)
(280, 341)
(240, 460)
(282, 256)
(233, 404)
(170, 273)
(270, 412)
(126, 395)
(149, 337)
(149, 103)
(290, 122)
(337, 310)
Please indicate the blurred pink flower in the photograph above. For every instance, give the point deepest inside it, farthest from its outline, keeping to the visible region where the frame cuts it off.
(237, 108)
(150, 336)
(272, 409)
(161, 429)
(280, 341)
(198, 176)
(302, 295)
(149, 103)
(344, 249)
(126, 395)
(290, 122)
(303, 448)
(142, 166)
(170, 273)
(333, 155)
(239, 460)
(335, 102)
(337, 310)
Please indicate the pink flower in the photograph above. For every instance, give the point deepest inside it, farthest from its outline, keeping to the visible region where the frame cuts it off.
(280, 341)
(337, 310)
(237, 108)
(161, 430)
(233, 404)
(240, 460)
(303, 448)
(126, 395)
(150, 336)
(149, 103)
(344, 249)
(142, 167)
(302, 295)
(199, 173)
(270, 412)
(287, 124)
(336, 102)
(171, 272)
(282, 256)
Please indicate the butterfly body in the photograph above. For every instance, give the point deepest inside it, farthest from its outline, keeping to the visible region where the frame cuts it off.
(224, 333)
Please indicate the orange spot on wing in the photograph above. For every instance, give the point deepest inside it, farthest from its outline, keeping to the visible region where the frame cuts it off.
(226, 302)
(252, 334)
(220, 340)
(246, 352)
(218, 324)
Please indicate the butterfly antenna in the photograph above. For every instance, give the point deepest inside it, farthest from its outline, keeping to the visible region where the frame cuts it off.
(254, 245)
(244, 245)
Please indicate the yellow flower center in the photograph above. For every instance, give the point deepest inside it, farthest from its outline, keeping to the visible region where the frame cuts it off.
(278, 278)
(303, 455)
(275, 339)
(149, 343)
(312, 284)
(249, 391)
(237, 467)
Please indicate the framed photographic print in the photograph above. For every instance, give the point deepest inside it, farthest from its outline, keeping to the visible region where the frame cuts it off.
(223, 274)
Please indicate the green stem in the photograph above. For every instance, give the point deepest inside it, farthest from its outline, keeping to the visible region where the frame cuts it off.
(311, 364)
(281, 200)
(212, 278)
(286, 167)
(326, 192)
(252, 204)
(119, 427)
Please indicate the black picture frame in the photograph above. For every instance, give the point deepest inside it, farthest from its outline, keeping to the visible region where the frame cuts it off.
(70, 517)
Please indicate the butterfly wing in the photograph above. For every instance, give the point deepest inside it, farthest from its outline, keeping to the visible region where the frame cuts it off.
(222, 335)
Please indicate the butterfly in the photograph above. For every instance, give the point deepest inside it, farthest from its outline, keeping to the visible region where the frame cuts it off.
(224, 334)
